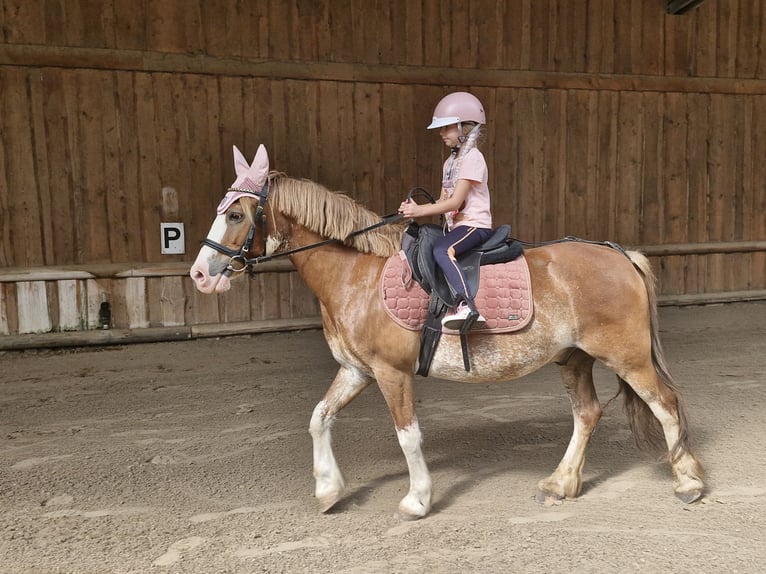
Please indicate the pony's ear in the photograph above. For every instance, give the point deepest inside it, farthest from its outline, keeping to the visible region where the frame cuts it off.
(240, 163)
(259, 169)
(251, 176)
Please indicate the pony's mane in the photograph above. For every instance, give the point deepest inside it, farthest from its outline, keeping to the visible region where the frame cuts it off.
(333, 215)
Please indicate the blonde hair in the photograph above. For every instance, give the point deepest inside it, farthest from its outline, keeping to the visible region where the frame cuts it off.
(472, 133)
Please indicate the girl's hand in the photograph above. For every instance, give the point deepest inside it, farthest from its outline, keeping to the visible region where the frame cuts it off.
(409, 209)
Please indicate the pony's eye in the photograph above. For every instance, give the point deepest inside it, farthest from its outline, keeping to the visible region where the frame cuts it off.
(234, 217)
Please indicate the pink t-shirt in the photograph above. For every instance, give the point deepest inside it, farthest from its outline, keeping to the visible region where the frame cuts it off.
(476, 210)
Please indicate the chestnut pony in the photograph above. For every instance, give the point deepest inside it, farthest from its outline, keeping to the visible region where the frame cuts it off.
(592, 302)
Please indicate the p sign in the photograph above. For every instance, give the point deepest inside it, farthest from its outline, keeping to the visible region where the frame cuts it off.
(172, 240)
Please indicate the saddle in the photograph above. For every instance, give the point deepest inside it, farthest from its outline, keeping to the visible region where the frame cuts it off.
(417, 246)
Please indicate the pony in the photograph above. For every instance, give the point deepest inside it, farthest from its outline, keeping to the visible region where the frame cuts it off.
(593, 302)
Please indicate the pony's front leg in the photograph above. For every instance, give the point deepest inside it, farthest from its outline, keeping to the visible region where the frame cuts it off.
(566, 480)
(397, 390)
(347, 384)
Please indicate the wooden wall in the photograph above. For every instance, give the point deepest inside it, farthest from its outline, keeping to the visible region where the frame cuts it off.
(607, 120)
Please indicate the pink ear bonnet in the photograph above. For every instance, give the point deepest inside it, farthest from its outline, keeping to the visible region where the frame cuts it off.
(250, 177)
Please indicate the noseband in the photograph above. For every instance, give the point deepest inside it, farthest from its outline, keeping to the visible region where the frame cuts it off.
(238, 260)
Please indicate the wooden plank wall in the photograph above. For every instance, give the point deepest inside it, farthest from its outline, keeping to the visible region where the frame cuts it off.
(607, 120)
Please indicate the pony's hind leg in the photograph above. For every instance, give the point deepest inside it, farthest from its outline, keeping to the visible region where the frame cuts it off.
(650, 398)
(566, 480)
(348, 383)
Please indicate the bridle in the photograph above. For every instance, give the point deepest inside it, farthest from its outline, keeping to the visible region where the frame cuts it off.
(238, 260)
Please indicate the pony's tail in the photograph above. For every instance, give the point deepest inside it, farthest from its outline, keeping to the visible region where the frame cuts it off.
(647, 430)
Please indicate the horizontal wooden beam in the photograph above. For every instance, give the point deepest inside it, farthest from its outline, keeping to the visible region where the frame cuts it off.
(711, 298)
(26, 55)
(152, 334)
(123, 270)
(117, 271)
(108, 337)
(708, 248)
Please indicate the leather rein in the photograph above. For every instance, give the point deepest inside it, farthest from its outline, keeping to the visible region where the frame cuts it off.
(238, 260)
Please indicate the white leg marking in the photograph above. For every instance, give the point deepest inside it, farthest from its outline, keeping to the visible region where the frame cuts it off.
(417, 503)
(566, 480)
(348, 383)
(329, 479)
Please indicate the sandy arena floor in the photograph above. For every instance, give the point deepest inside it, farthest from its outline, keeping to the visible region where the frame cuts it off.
(194, 457)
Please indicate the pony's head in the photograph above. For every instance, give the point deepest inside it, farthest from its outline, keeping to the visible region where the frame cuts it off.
(302, 214)
(231, 236)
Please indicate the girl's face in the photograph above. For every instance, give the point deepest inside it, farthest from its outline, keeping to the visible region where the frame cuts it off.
(449, 135)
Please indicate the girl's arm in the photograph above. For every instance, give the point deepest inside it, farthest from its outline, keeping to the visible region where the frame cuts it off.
(443, 205)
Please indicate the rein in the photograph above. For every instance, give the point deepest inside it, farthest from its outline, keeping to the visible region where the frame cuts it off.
(384, 220)
(238, 260)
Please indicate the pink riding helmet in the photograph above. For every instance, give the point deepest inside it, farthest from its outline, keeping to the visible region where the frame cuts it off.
(456, 108)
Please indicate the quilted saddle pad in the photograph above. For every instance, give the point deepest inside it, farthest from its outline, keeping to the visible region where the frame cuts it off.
(504, 297)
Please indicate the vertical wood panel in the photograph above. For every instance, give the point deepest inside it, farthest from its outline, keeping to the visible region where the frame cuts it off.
(28, 19)
(651, 222)
(575, 214)
(504, 138)
(149, 156)
(5, 328)
(201, 308)
(10, 309)
(32, 300)
(679, 34)
(22, 219)
(606, 184)
(90, 133)
(727, 39)
(367, 161)
(129, 26)
(264, 295)
(42, 164)
(554, 223)
(757, 222)
(599, 52)
(630, 141)
(124, 156)
(62, 236)
(173, 300)
(236, 302)
(7, 257)
(70, 317)
(675, 190)
(135, 302)
(697, 122)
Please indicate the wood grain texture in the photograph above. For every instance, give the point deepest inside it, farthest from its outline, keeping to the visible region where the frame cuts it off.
(607, 120)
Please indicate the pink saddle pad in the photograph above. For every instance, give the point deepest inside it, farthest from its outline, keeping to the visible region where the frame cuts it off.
(504, 296)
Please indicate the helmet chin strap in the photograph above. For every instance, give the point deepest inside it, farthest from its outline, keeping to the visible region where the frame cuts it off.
(463, 138)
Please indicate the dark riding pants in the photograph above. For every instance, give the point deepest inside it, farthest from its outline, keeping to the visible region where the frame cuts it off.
(454, 243)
